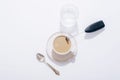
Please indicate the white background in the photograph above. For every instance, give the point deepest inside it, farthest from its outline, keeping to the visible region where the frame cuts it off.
(26, 25)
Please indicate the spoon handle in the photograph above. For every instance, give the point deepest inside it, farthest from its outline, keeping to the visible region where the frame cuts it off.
(56, 71)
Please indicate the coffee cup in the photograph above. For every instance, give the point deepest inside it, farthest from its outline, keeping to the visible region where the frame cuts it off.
(61, 47)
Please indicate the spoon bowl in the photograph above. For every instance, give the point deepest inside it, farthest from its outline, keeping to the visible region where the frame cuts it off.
(40, 57)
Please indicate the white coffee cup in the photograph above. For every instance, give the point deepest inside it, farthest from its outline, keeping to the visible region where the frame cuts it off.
(57, 55)
(62, 46)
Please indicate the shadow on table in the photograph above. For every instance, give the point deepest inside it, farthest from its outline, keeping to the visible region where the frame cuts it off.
(72, 60)
(93, 34)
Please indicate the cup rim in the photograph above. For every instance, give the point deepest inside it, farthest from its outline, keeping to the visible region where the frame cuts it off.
(67, 52)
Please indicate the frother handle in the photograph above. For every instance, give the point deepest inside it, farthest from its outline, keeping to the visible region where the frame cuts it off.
(95, 26)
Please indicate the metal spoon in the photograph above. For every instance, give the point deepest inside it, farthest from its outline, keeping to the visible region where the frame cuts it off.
(41, 58)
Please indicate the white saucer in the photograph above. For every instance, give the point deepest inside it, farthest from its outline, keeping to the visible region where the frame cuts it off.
(50, 52)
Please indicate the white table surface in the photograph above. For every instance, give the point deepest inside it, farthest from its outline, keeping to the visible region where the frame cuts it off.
(26, 25)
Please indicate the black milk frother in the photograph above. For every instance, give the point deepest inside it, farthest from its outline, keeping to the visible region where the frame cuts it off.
(95, 26)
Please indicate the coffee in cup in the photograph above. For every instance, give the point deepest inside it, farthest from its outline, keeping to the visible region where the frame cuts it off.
(61, 44)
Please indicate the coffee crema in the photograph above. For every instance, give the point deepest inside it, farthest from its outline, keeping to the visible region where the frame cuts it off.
(62, 44)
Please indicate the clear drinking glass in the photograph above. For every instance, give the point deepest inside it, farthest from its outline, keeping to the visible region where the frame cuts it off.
(69, 18)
